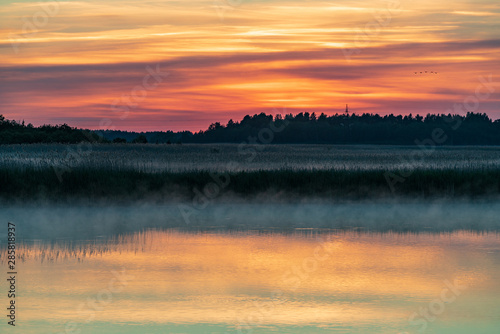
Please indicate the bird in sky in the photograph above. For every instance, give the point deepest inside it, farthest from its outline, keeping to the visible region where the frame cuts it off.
(426, 72)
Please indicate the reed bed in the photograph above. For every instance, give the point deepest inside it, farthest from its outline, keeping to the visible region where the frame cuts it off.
(152, 158)
(180, 172)
(93, 184)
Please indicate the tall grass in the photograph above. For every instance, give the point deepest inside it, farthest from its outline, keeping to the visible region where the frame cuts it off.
(203, 157)
(173, 172)
(95, 184)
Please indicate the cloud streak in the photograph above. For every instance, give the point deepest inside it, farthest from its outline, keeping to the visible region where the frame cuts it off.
(263, 56)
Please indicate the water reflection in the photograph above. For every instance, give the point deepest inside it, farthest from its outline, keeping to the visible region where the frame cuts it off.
(305, 282)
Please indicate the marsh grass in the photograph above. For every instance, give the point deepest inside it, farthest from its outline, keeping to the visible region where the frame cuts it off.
(91, 183)
(215, 157)
(176, 172)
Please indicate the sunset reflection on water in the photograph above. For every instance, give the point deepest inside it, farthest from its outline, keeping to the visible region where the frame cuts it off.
(305, 282)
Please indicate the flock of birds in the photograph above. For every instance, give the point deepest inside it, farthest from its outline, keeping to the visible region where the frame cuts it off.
(425, 72)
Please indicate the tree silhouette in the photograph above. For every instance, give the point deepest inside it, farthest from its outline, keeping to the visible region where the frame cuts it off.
(367, 128)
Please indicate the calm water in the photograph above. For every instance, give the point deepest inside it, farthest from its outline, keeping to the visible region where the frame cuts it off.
(166, 281)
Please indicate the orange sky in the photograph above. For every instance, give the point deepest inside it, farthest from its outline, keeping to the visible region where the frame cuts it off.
(86, 63)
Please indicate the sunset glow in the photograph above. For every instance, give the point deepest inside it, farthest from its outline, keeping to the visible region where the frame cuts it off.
(210, 278)
(89, 63)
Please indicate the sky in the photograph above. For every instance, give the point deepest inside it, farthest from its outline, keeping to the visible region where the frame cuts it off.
(182, 65)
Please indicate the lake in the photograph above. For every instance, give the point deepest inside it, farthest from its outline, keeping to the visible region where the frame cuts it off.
(295, 281)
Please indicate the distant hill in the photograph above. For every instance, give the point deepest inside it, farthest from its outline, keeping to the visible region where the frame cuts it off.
(306, 128)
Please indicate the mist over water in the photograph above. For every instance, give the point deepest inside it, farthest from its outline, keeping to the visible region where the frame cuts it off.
(90, 221)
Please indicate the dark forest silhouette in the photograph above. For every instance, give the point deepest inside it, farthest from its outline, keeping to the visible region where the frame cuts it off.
(471, 129)
(12, 132)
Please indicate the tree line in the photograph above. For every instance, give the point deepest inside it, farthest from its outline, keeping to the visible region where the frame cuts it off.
(12, 132)
(304, 127)
(469, 129)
